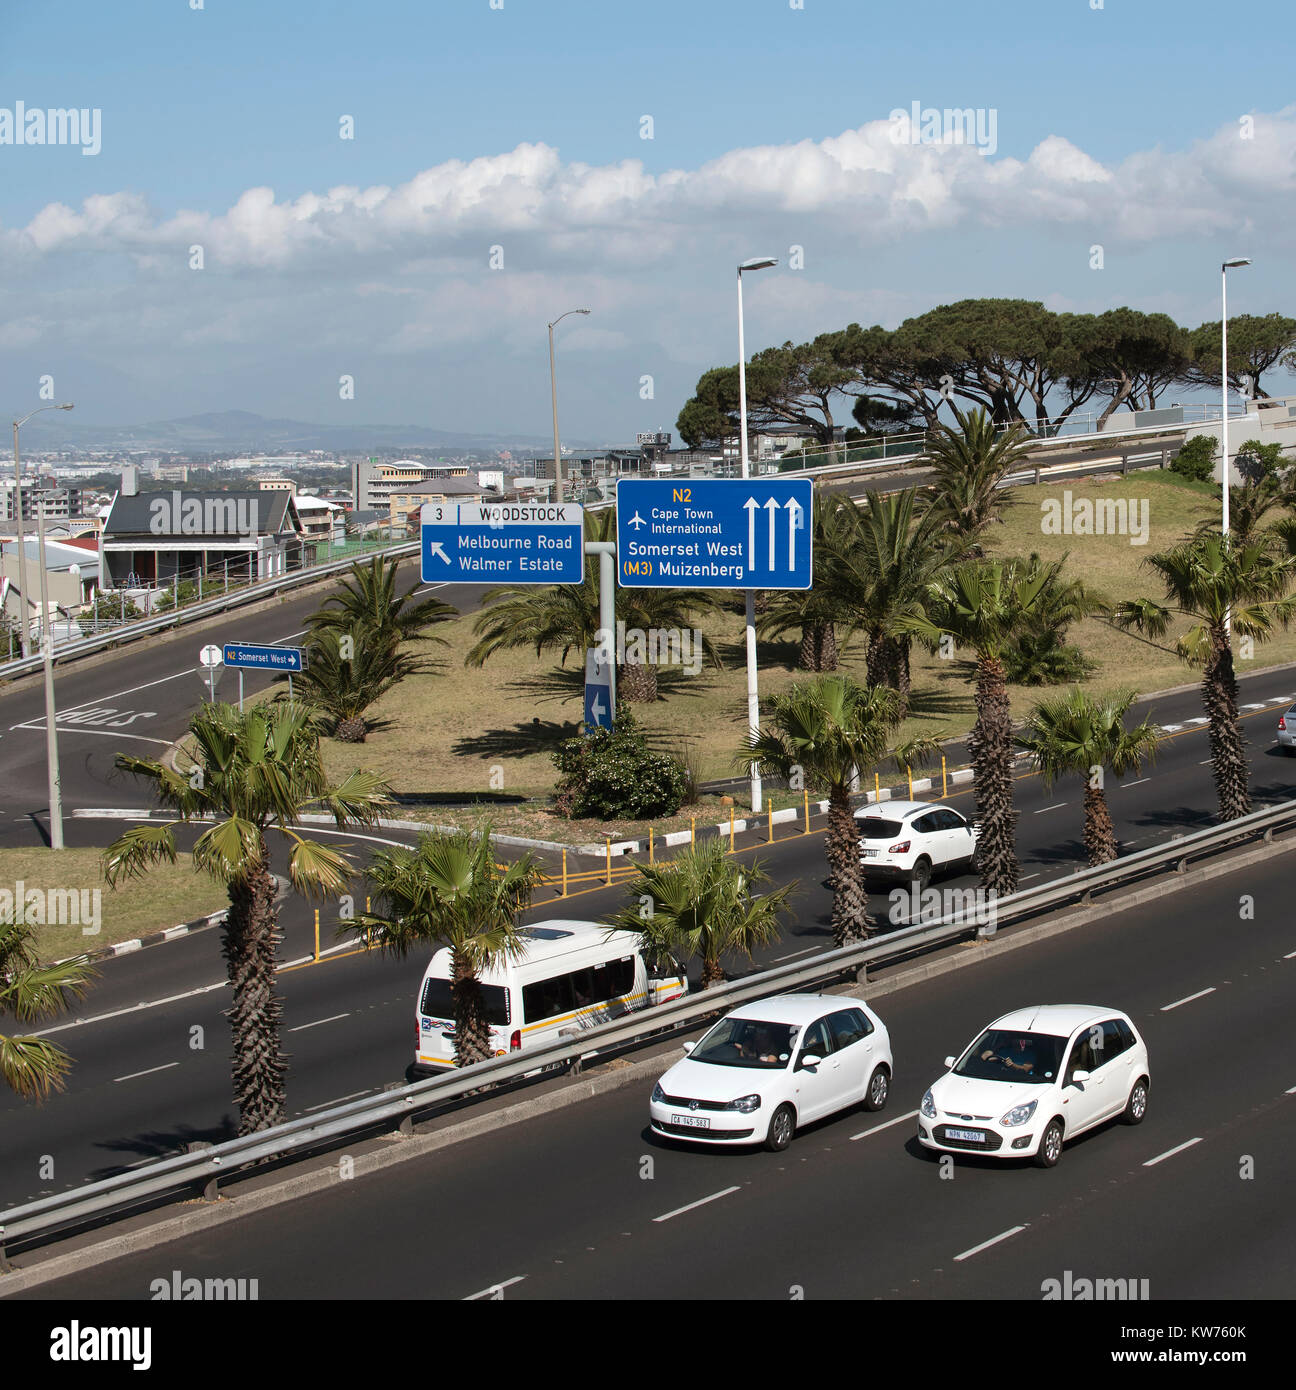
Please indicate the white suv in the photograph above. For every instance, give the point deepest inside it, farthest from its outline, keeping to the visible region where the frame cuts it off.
(1035, 1078)
(911, 840)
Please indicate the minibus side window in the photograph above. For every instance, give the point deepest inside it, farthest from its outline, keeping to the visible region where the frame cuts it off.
(547, 998)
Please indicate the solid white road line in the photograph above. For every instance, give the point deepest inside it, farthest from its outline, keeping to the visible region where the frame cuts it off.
(131, 1077)
(986, 1244)
(693, 1206)
(877, 1129)
(1170, 1153)
(1291, 1091)
(301, 1027)
(131, 1009)
(39, 727)
(1201, 994)
(495, 1288)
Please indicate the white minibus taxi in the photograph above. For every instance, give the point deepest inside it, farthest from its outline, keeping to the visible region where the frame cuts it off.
(571, 975)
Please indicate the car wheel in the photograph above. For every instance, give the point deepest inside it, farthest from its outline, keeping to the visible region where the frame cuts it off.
(1136, 1106)
(920, 874)
(879, 1087)
(782, 1127)
(1050, 1147)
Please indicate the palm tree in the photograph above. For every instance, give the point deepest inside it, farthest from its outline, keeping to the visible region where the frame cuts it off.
(1038, 654)
(883, 559)
(252, 772)
(449, 892)
(700, 904)
(815, 612)
(565, 618)
(348, 671)
(983, 605)
(367, 599)
(825, 734)
(1214, 581)
(32, 1067)
(1078, 734)
(970, 464)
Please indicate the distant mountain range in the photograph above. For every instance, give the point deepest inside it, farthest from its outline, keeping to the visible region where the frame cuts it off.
(229, 430)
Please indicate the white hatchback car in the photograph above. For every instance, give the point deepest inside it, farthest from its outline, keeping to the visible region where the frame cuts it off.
(774, 1065)
(911, 840)
(1035, 1078)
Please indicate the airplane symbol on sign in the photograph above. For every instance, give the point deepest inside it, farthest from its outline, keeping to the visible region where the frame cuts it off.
(636, 521)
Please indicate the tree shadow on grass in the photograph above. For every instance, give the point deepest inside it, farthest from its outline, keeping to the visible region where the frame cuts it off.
(535, 735)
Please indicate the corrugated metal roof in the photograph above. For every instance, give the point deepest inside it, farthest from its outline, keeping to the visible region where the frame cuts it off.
(174, 513)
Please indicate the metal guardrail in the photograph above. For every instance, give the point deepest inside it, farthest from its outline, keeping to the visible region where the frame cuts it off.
(144, 627)
(205, 1169)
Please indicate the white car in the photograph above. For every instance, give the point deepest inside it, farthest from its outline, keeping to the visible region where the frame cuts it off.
(770, 1067)
(911, 840)
(1287, 729)
(1036, 1078)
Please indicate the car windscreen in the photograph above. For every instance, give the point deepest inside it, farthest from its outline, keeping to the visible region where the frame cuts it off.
(875, 828)
(1005, 1055)
(438, 1002)
(747, 1042)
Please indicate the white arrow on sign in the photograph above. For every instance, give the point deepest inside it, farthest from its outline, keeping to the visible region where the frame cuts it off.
(795, 513)
(435, 549)
(751, 506)
(597, 710)
(772, 507)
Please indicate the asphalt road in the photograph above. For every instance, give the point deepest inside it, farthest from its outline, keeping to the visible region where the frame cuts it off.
(585, 1203)
(141, 1088)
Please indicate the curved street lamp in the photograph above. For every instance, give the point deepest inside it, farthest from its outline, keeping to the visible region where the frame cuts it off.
(553, 390)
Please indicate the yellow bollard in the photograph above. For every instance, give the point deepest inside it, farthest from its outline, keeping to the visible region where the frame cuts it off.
(608, 841)
(317, 956)
(367, 907)
(877, 788)
(731, 829)
(692, 830)
(770, 839)
(909, 775)
(806, 795)
(564, 891)
(650, 845)
(944, 785)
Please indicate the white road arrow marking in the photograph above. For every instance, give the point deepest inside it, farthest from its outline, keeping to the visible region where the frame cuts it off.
(435, 549)
(751, 506)
(795, 512)
(772, 507)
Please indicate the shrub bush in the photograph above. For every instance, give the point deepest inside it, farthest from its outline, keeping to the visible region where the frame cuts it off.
(1196, 460)
(612, 773)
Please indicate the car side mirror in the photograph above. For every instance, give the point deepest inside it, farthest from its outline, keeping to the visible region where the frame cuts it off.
(949, 1061)
(688, 1047)
(809, 1062)
(1080, 1076)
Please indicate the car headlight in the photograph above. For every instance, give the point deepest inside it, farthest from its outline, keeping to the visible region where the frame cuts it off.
(928, 1106)
(1019, 1114)
(745, 1103)
(658, 1095)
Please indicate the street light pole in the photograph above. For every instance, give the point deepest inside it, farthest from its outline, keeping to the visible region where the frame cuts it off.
(553, 391)
(753, 698)
(47, 646)
(25, 598)
(1224, 420)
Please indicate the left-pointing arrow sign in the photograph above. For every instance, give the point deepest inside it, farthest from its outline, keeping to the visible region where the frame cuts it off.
(436, 549)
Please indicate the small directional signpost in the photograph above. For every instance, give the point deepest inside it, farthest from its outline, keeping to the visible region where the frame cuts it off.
(503, 543)
(714, 533)
(598, 690)
(210, 658)
(250, 656)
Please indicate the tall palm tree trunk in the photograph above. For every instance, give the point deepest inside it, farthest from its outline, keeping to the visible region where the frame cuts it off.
(850, 915)
(250, 941)
(638, 684)
(472, 1029)
(1227, 745)
(818, 647)
(1099, 831)
(990, 746)
(712, 974)
(880, 658)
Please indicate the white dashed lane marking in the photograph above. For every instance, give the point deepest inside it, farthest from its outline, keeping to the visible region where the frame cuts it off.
(1170, 1153)
(132, 1075)
(1201, 994)
(986, 1244)
(693, 1206)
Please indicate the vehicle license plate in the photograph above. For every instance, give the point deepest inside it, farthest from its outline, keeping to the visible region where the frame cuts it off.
(868, 854)
(969, 1136)
(691, 1121)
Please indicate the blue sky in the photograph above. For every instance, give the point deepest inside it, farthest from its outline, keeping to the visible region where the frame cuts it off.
(1116, 126)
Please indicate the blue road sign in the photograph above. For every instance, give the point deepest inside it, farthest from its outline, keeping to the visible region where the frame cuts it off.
(715, 533)
(248, 656)
(503, 543)
(598, 691)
